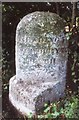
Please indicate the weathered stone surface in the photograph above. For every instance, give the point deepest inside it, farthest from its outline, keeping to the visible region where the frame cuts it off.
(41, 58)
(40, 43)
(30, 96)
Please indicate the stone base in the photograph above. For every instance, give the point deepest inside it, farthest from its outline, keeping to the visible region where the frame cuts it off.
(30, 96)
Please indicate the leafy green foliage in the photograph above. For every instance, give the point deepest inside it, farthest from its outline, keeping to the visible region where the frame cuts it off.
(71, 107)
(67, 108)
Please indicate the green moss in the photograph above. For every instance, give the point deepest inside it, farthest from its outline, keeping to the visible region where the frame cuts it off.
(44, 22)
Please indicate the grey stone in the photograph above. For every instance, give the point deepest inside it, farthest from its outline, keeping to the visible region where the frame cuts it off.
(30, 96)
(41, 62)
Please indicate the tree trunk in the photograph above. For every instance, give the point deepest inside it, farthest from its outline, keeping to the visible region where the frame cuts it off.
(73, 14)
(57, 8)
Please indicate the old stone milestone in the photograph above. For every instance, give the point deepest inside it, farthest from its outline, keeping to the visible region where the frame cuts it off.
(41, 62)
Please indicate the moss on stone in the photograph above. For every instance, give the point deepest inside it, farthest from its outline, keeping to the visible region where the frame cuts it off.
(38, 23)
